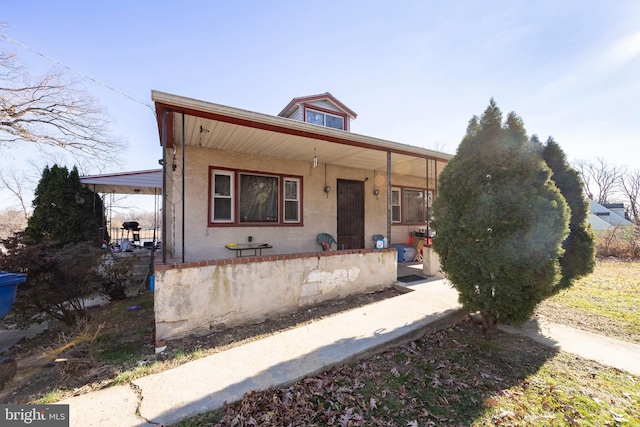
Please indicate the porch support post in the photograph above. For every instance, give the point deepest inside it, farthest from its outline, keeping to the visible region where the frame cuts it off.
(184, 145)
(435, 188)
(389, 197)
(427, 195)
(164, 186)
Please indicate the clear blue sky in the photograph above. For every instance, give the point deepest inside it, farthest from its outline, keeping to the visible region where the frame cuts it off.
(415, 72)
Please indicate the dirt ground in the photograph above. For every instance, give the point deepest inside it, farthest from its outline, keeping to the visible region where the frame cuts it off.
(119, 339)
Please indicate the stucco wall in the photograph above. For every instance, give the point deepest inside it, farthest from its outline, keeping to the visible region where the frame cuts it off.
(319, 209)
(199, 297)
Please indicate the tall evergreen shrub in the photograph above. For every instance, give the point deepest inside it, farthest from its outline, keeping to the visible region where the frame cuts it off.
(500, 221)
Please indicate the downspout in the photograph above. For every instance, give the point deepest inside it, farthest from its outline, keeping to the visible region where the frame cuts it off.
(184, 147)
(388, 197)
(155, 214)
(164, 186)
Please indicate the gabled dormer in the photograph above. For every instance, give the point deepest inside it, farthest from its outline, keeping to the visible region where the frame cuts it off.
(323, 110)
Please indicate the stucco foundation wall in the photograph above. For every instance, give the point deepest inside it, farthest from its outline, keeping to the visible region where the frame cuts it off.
(196, 298)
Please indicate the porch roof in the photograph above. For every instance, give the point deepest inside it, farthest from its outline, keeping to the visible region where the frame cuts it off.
(137, 182)
(231, 129)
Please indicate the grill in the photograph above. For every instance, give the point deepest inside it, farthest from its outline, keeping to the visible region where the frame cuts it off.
(133, 228)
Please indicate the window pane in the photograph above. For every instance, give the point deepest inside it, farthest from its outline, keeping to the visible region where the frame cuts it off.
(315, 118)
(291, 190)
(413, 206)
(334, 122)
(395, 213)
(221, 209)
(395, 197)
(291, 211)
(222, 185)
(258, 198)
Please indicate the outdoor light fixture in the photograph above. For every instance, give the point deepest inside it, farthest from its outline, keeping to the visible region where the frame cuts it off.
(315, 158)
(375, 190)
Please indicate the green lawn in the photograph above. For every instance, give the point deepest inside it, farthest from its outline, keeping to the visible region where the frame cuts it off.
(606, 302)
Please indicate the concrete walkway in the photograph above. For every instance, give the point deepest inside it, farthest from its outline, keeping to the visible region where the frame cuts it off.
(205, 384)
(608, 351)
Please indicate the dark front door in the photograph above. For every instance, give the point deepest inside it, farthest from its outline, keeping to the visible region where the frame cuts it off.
(351, 213)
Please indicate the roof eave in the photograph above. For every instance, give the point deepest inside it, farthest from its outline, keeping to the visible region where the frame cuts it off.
(166, 101)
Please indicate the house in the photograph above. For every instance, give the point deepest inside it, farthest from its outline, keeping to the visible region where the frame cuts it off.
(608, 216)
(234, 177)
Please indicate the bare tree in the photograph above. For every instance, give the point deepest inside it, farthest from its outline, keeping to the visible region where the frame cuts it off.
(51, 112)
(13, 183)
(629, 185)
(11, 221)
(600, 179)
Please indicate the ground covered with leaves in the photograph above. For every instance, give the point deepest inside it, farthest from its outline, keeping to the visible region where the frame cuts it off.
(118, 345)
(454, 377)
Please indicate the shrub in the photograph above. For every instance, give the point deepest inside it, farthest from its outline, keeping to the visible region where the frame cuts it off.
(620, 242)
(58, 280)
(116, 271)
(501, 221)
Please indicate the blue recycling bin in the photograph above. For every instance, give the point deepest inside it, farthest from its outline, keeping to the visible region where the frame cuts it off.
(8, 287)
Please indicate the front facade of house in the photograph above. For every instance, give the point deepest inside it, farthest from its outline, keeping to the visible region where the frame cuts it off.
(236, 176)
(233, 175)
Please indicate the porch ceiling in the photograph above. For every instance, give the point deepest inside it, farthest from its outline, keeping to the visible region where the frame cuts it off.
(225, 128)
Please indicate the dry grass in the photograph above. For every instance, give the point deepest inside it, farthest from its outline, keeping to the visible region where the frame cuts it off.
(607, 302)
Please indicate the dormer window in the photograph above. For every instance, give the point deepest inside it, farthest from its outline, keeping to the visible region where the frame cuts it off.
(324, 119)
(323, 110)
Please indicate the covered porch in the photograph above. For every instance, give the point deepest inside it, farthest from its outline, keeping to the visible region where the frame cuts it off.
(232, 177)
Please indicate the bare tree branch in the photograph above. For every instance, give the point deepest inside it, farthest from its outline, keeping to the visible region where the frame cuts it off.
(13, 184)
(600, 179)
(51, 111)
(630, 187)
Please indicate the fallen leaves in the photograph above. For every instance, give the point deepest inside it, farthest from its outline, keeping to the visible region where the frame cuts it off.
(442, 379)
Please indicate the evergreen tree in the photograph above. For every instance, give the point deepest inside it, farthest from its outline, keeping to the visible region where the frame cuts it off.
(65, 211)
(500, 221)
(579, 258)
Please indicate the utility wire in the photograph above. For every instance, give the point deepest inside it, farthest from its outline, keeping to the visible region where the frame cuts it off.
(9, 39)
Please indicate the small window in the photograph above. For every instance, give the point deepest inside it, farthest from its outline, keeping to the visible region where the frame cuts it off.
(222, 197)
(291, 200)
(334, 122)
(315, 118)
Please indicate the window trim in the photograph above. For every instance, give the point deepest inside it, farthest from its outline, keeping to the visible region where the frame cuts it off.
(235, 198)
(212, 196)
(298, 199)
